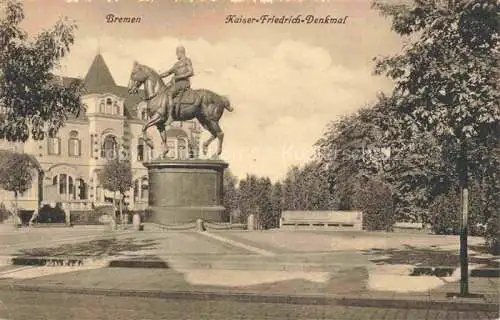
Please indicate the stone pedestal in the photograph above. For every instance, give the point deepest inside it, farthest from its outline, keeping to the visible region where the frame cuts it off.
(183, 191)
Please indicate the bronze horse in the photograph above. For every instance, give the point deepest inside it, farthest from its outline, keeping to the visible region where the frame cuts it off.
(202, 104)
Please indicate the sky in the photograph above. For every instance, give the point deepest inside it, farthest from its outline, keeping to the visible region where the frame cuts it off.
(286, 82)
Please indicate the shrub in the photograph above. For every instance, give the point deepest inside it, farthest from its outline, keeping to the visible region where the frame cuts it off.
(493, 233)
(47, 214)
(25, 216)
(445, 214)
(374, 199)
(4, 213)
(86, 217)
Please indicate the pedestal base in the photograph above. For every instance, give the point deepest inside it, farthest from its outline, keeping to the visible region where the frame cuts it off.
(182, 191)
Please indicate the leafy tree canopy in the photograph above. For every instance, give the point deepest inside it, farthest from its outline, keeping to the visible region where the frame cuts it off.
(32, 99)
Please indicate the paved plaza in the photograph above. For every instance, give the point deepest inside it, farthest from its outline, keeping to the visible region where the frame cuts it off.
(157, 274)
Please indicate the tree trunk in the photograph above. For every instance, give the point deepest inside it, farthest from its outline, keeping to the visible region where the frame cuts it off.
(16, 210)
(121, 213)
(464, 191)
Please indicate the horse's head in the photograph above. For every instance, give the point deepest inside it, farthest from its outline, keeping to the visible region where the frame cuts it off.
(138, 76)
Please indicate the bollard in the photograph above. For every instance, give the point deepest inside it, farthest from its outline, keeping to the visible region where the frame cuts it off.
(200, 226)
(136, 222)
(251, 222)
(112, 224)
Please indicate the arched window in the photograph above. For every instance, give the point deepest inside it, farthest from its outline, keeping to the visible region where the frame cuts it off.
(63, 184)
(54, 146)
(144, 188)
(109, 106)
(116, 109)
(109, 148)
(54, 181)
(74, 144)
(144, 115)
(102, 108)
(141, 150)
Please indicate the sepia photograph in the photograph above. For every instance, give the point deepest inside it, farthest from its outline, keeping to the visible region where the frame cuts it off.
(249, 159)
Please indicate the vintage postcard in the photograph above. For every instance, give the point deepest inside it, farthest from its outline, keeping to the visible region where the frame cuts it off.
(249, 159)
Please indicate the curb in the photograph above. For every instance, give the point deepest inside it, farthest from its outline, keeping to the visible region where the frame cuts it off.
(267, 298)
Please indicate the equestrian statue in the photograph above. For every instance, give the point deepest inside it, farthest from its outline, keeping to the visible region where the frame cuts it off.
(178, 102)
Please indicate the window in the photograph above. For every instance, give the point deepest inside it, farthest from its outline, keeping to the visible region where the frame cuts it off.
(54, 146)
(109, 148)
(71, 187)
(140, 150)
(109, 106)
(102, 108)
(144, 188)
(144, 115)
(63, 184)
(182, 148)
(74, 144)
(54, 181)
(172, 152)
(82, 189)
(116, 109)
(98, 192)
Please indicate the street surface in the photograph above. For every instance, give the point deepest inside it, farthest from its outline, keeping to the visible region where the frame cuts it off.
(21, 305)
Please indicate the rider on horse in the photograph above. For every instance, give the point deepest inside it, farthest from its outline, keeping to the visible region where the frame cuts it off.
(182, 71)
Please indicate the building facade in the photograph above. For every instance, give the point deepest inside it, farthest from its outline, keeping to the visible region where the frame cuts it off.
(111, 126)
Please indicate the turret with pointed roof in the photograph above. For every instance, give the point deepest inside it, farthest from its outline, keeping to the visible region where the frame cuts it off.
(99, 80)
(98, 75)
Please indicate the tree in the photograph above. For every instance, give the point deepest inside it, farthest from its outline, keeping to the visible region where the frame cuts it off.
(307, 188)
(116, 176)
(277, 203)
(374, 199)
(265, 218)
(255, 197)
(230, 197)
(353, 147)
(16, 175)
(446, 80)
(32, 98)
(248, 201)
